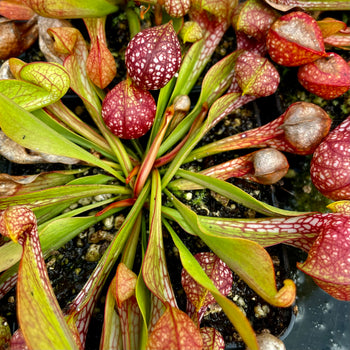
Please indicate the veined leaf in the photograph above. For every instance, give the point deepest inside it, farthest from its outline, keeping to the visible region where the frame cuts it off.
(222, 9)
(154, 270)
(125, 283)
(232, 311)
(174, 330)
(70, 42)
(100, 64)
(247, 258)
(212, 338)
(199, 296)
(264, 231)
(58, 194)
(35, 297)
(111, 338)
(328, 259)
(41, 84)
(53, 235)
(342, 206)
(16, 10)
(127, 306)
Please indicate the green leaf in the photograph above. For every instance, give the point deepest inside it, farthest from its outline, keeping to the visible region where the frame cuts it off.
(58, 111)
(74, 8)
(218, 78)
(61, 194)
(215, 82)
(43, 214)
(236, 194)
(28, 131)
(199, 54)
(162, 102)
(70, 135)
(193, 140)
(111, 337)
(232, 311)
(142, 295)
(247, 258)
(154, 270)
(222, 107)
(42, 83)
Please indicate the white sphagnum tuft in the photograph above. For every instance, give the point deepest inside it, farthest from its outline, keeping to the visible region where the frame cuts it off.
(153, 56)
(128, 111)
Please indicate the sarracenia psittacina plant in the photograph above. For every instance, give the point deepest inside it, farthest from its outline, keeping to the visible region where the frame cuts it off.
(138, 177)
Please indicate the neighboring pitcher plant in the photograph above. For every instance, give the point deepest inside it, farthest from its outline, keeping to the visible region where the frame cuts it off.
(141, 310)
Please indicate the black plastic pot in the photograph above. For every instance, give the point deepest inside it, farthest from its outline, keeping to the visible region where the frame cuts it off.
(322, 322)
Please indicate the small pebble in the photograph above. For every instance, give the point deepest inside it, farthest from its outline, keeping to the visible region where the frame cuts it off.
(267, 341)
(93, 253)
(85, 201)
(119, 221)
(102, 197)
(261, 311)
(108, 222)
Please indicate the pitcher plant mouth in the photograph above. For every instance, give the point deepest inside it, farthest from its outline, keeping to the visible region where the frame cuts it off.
(140, 143)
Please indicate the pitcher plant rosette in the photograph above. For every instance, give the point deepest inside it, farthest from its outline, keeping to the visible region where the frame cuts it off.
(143, 133)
